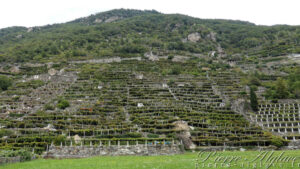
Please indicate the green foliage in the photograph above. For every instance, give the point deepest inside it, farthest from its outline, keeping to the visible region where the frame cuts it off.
(62, 103)
(24, 154)
(281, 89)
(5, 82)
(286, 87)
(278, 141)
(150, 135)
(254, 81)
(33, 84)
(49, 107)
(4, 132)
(176, 70)
(294, 82)
(170, 57)
(253, 100)
(133, 135)
(59, 139)
(135, 32)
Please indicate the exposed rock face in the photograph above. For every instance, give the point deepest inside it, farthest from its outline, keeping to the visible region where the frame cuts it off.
(113, 150)
(77, 139)
(139, 76)
(52, 72)
(151, 57)
(15, 69)
(180, 58)
(50, 127)
(19, 36)
(29, 29)
(194, 37)
(111, 19)
(185, 134)
(212, 36)
(98, 20)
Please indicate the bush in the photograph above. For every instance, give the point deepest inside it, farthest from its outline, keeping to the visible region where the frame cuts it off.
(25, 155)
(59, 139)
(48, 107)
(175, 70)
(5, 82)
(278, 141)
(170, 57)
(62, 104)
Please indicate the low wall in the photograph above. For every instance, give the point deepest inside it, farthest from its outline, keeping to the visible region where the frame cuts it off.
(4, 160)
(113, 150)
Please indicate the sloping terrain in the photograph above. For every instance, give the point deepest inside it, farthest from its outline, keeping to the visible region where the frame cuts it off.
(127, 75)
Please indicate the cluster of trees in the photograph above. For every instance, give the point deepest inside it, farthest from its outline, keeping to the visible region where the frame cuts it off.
(287, 87)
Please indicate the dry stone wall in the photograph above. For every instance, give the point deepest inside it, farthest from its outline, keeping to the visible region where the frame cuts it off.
(113, 150)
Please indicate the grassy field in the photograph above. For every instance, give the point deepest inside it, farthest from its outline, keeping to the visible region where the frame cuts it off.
(187, 160)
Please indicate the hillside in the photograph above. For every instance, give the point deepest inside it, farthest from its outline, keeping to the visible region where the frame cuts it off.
(130, 32)
(127, 77)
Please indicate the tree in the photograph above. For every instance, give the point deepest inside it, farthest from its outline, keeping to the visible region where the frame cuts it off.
(281, 89)
(5, 82)
(253, 100)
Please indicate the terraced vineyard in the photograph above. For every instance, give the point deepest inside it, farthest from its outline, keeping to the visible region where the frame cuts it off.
(128, 102)
(130, 80)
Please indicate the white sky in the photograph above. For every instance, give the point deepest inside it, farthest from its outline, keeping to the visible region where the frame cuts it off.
(41, 12)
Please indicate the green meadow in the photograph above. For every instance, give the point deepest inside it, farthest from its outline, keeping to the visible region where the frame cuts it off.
(189, 160)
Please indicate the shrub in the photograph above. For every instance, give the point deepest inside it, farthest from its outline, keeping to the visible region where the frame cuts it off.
(175, 70)
(62, 104)
(278, 141)
(48, 107)
(5, 82)
(59, 139)
(170, 57)
(25, 155)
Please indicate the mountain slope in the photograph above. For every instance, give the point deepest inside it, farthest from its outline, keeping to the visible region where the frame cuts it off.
(132, 33)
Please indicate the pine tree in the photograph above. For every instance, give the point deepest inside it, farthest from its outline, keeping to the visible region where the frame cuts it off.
(253, 100)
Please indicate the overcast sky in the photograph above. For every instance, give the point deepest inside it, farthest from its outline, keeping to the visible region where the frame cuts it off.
(41, 12)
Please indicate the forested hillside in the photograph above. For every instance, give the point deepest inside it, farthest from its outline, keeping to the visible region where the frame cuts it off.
(128, 33)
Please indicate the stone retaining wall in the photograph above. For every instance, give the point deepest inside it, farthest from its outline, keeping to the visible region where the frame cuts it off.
(4, 160)
(113, 150)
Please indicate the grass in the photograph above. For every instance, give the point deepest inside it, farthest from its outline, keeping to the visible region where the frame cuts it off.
(183, 161)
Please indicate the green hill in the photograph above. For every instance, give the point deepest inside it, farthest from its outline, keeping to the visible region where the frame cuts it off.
(128, 33)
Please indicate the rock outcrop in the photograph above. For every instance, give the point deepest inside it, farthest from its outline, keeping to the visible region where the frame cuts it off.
(184, 135)
(194, 37)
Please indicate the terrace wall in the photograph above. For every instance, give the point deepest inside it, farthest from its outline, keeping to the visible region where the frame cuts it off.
(4, 160)
(113, 150)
